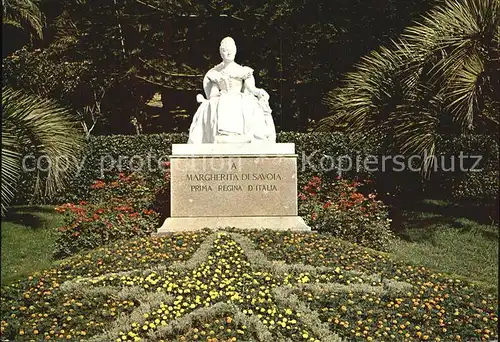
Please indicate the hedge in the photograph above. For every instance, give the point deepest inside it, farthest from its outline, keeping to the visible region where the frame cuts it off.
(315, 150)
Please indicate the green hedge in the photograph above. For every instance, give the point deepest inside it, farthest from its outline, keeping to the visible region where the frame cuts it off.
(311, 149)
(473, 185)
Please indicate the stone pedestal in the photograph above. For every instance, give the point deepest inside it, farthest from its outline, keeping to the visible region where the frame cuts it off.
(242, 185)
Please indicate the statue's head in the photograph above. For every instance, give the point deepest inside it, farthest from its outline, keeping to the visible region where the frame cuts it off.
(227, 49)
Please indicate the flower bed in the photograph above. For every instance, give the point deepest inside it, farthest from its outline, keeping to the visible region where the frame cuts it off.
(234, 285)
(119, 209)
(339, 208)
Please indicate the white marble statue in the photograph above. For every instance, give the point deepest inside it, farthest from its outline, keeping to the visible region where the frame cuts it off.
(233, 107)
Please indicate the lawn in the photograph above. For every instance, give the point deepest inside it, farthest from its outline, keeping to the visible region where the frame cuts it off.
(28, 241)
(448, 239)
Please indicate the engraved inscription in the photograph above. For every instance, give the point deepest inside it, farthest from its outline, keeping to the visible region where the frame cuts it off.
(223, 177)
(201, 188)
(226, 187)
(208, 177)
(262, 187)
(266, 176)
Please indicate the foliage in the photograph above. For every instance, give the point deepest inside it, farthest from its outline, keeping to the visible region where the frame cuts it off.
(116, 210)
(481, 181)
(24, 14)
(286, 42)
(130, 50)
(42, 128)
(48, 74)
(161, 203)
(105, 156)
(439, 79)
(206, 286)
(81, 65)
(338, 207)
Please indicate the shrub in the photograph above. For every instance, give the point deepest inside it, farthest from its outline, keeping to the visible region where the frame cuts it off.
(311, 149)
(120, 209)
(101, 151)
(478, 185)
(156, 148)
(161, 203)
(339, 208)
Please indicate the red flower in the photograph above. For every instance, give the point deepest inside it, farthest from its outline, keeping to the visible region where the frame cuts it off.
(327, 204)
(148, 212)
(315, 181)
(124, 208)
(83, 202)
(314, 216)
(98, 184)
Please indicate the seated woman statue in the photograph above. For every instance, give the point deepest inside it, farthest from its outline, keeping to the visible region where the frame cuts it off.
(233, 105)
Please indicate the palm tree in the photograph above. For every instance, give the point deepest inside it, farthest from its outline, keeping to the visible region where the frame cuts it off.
(38, 126)
(23, 13)
(439, 78)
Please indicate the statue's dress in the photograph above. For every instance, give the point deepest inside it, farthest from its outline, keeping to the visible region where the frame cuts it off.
(229, 109)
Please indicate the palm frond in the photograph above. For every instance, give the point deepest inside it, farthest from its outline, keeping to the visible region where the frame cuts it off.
(47, 130)
(22, 13)
(464, 90)
(11, 168)
(441, 64)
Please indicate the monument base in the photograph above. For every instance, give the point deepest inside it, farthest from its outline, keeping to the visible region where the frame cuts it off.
(183, 224)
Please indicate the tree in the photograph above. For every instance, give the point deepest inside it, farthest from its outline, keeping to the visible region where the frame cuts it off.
(34, 125)
(286, 42)
(440, 79)
(133, 49)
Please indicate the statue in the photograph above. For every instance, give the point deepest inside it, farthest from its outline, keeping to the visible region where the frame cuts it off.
(233, 106)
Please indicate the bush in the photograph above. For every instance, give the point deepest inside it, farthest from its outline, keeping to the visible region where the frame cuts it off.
(156, 148)
(339, 208)
(313, 149)
(120, 209)
(477, 185)
(100, 152)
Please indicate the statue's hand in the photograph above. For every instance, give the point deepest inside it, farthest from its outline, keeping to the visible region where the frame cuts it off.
(200, 98)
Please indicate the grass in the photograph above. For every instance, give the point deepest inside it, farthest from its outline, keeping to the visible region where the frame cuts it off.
(27, 241)
(435, 235)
